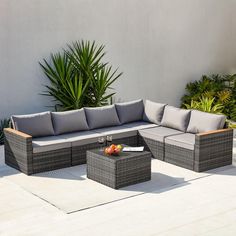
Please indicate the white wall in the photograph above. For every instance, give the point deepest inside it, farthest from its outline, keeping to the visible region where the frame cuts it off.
(160, 45)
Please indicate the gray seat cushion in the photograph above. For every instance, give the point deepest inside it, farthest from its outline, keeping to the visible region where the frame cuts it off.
(185, 140)
(158, 133)
(137, 125)
(117, 132)
(204, 122)
(99, 117)
(153, 111)
(130, 111)
(36, 125)
(69, 121)
(81, 138)
(49, 143)
(175, 118)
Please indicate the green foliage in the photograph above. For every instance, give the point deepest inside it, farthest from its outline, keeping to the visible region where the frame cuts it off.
(102, 81)
(67, 85)
(206, 104)
(78, 77)
(231, 125)
(5, 123)
(213, 93)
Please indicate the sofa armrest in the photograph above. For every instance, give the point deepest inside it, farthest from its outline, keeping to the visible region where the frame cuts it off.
(213, 132)
(215, 137)
(18, 150)
(213, 149)
(17, 133)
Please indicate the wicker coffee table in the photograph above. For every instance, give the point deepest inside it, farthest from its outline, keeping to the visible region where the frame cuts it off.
(119, 171)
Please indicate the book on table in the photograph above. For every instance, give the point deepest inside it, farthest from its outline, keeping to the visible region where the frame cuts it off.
(133, 149)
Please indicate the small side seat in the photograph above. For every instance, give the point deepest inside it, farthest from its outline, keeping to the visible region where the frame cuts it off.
(49, 153)
(179, 150)
(81, 138)
(205, 146)
(153, 139)
(49, 143)
(80, 143)
(186, 140)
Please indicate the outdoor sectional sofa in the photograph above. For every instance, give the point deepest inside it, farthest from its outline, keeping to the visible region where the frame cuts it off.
(51, 140)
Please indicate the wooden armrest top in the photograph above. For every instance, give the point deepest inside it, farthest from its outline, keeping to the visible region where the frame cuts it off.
(24, 135)
(213, 132)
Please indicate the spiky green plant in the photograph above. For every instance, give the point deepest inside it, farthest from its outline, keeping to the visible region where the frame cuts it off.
(78, 76)
(66, 84)
(100, 83)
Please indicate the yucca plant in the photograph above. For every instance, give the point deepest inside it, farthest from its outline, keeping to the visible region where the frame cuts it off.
(86, 56)
(5, 123)
(100, 83)
(66, 84)
(78, 76)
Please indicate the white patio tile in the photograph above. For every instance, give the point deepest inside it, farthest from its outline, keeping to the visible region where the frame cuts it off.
(203, 207)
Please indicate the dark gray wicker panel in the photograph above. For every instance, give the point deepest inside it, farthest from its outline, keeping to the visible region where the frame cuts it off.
(18, 152)
(121, 171)
(51, 160)
(213, 150)
(212, 164)
(155, 147)
(179, 156)
(79, 153)
(130, 141)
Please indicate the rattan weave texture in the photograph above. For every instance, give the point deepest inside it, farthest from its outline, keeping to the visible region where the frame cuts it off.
(211, 151)
(18, 152)
(119, 171)
(155, 147)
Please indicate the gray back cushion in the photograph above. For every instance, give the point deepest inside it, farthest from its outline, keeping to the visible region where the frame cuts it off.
(175, 118)
(153, 112)
(69, 121)
(36, 125)
(203, 122)
(99, 117)
(130, 111)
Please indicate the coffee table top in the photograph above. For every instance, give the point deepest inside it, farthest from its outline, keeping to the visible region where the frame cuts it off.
(120, 156)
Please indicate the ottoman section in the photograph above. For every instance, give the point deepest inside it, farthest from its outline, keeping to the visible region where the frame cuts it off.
(119, 171)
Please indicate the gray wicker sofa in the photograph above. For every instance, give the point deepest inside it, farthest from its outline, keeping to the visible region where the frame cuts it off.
(51, 140)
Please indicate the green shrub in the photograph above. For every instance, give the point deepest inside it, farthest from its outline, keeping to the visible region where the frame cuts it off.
(78, 76)
(5, 123)
(217, 93)
(206, 104)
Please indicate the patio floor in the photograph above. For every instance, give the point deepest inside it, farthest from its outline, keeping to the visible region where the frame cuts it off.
(206, 206)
